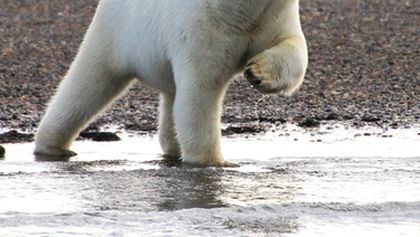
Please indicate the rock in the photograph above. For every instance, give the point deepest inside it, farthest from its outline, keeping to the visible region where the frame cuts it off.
(394, 125)
(14, 136)
(149, 127)
(231, 130)
(348, 117)
(309, 123)
(332, 116)
(2, 152)
(370, 119)
(100, 136)
(272, 120)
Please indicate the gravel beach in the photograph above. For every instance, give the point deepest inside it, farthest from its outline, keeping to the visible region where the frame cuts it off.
(364, 69)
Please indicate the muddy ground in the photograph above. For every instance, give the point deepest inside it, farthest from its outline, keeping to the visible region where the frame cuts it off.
(364, 68)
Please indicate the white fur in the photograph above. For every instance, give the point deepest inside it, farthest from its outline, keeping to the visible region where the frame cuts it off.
(188, 50)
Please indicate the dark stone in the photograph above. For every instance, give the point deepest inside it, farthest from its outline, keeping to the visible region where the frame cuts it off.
(332, 116)
(394, 125)
(149, 127)
(231, 130)
(16, 137)
(348, 117)
(272, 120)
(309, 123)
(2, 152)
(370, 119)
(100, 136)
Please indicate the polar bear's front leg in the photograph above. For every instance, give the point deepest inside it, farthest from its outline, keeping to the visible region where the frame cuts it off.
(279, 69)
(167, 134)
(197, 113)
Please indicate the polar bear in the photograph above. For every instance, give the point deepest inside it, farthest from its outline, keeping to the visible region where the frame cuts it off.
(188, 51)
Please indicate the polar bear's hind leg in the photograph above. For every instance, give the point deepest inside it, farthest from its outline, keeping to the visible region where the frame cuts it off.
(86, 90)
(167, 133)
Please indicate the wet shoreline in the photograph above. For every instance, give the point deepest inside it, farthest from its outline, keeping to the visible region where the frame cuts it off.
(317, 130)
(331, 134)
(104, 134)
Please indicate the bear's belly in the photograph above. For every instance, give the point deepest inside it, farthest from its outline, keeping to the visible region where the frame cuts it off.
(157, 75)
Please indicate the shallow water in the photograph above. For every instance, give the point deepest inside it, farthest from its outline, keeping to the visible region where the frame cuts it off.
(359, 186)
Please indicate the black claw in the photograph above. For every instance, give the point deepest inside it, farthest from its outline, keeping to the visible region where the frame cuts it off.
(256, 82)
(250, 76)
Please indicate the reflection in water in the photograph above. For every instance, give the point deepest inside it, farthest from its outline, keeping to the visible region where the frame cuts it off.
(134, 194)
(164, 189)
(177, 187)
(191, 188)
(48, 158)
(234, 200)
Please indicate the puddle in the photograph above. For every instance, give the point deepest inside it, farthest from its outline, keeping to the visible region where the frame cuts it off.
(289, 185)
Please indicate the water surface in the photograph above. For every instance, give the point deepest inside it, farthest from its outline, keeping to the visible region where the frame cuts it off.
(338, 187)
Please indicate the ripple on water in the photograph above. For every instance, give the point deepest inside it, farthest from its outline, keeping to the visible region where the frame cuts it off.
(297, 196)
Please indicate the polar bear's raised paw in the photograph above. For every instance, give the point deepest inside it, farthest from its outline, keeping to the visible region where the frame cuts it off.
(259, 73)
(279, 69)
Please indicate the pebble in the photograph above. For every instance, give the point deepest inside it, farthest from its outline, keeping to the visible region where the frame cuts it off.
(100, 136)
(370, 119)
(2, 152)
(309, 123)
(231, 130)
(332, 116)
